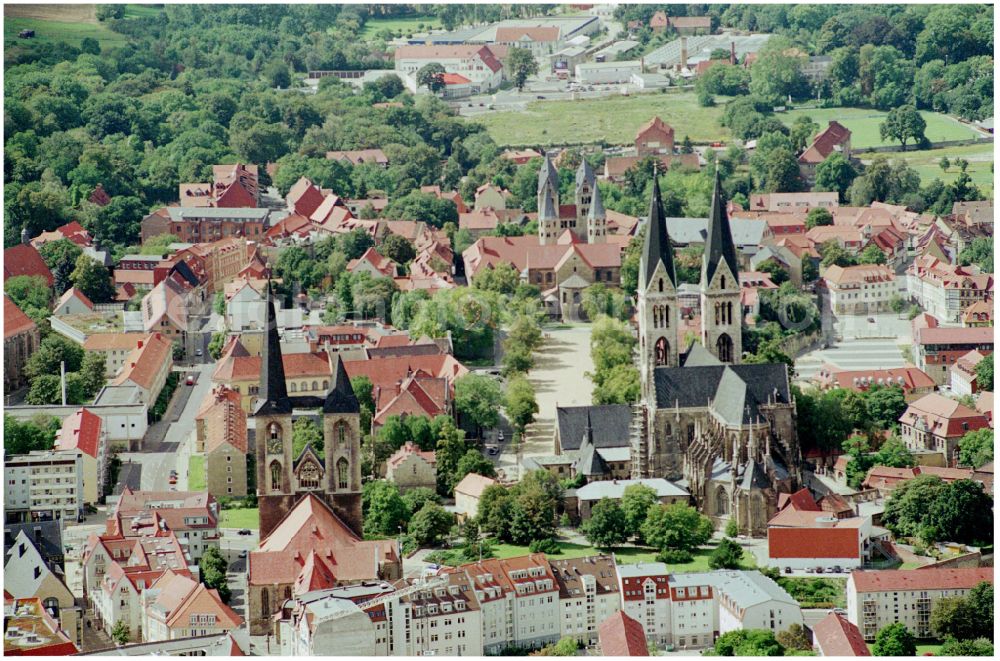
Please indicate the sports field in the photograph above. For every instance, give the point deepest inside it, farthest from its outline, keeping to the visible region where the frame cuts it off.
(400, 27)
(612, 119)
(864, 124)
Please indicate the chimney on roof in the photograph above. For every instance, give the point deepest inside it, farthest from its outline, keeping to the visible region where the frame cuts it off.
(684, 52)
(732, 52)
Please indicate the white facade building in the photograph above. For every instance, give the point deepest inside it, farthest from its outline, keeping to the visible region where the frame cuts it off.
(602, 73)
(860, 290)
(44, 484)
(645, 594)
(588, 595)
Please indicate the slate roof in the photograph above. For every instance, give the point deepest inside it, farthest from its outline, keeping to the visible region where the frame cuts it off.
(657, 246)
(273, 395)
(585, 175)
(589, 462)
(341, 398)
(45, 535)
(696, 386)
(754, 477)
(719, 242)
(609, 425)
(596, 205)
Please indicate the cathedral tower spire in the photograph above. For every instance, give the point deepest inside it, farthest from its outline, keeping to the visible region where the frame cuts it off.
(273, 397)
(657, 293)
(548, 202)
(597, 220)
(721, 310)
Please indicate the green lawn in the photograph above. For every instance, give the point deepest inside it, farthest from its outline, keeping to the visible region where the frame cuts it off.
(931, 646)
(817, 592)
(142, 11)
(241, 518)
(47, 31)
(927, 163)
(624, 555)
(614, 120)
(400, 27)
(864, 124)
(196, 472)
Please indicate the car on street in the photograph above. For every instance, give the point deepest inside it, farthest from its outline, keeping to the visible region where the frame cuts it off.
(190, 380)
(500, 436)
(244, 531)
(243, 554)
(197, 352)
(788, 570)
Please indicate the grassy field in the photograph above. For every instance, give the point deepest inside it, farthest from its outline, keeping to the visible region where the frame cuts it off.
(930, 648)
(926, 163)
(400, 27)
(611, 119)
(864, 124)
(817, 592)
(196, 472)
(53, 23)
(141, 11)
(241, 518)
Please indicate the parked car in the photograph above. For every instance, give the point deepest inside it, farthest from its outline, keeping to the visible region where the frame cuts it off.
(788, 570)
(500, 436)
(243, 554)
(198, 352)
(190, 380)
(244, 531)
(837, 569)
(819, 570)
(492, 449)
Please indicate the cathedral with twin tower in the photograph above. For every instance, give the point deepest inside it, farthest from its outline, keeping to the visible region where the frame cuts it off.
(586, 219)
(722, 428)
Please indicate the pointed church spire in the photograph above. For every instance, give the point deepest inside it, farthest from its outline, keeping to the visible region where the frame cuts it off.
(596, 211)
(548, 190)
(272, 397)
(657, 247)
(341, 398)
(585, 176)
(719, 243)
(588, 432)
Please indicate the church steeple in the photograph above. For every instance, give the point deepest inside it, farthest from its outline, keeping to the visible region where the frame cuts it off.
(548, 202)
(273, 397)
(719, 243)
(597, 219)
(721, 306)
(657, 248)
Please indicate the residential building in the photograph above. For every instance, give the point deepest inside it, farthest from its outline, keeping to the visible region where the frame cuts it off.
(645, 593)
(963, 374)
(311, 528)
(835, 635)
(21, 339)
(71, 231)
(43, 484)
(30, 631)
(621, 635)
(410, 467)
(978, 314)
(876, 599)
(165, 309)
(947, 290)
(45, 535)
(374, 265)
(147, 367)
(588, 595)
(588, 495)
(115, 347)
(489, 196)
(304, 197)
(977, 212)
(750, 600)
(938, 423)
(792, 535)
(863, 290)
(688, 25)
(468, 492)
(245, 304)
(444, 619)
(360, 157)
(221, 433)
(331, 619)
(478, 63)
(176, 606)
(697, 607)
(937, 349)
(24, 259)
(117, 569)
(913, 381)
(28, 576)
(84, 431)
(885, 479)
(191, 515)
(73, 301)
(206, 224)
(653, 138)
(835, 138)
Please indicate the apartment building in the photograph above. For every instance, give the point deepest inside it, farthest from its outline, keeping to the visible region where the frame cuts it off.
(147, 367)
(44, 484)
(876, 599)
(859, 290)
(445, 619)
(750, 600)
(946, 290)
(28, 576)
(85, 432)
(115, 347)
(588, 595)
(192, 515)
(938, 349)
(206, 224)
(645, 594)
(938, 423)
(177, 606)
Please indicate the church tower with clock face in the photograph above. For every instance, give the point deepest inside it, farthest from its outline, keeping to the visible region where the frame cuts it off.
(332, 473)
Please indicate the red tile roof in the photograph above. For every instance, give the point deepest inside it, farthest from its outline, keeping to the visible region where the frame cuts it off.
(837, 636)
(145, 361)
(225, 421)
(450, 52)
(621, 635)
(942, 416)
(24, 259)
(454, 79)
(801, 501)
(82, 431)
(409, 448)
(894, 580)
(73, 292)
(655, 126)
(908, 378)
(814, 541)
(939, 335)
(824, 143)
(532, 34)
(304, 197)
(15, 321)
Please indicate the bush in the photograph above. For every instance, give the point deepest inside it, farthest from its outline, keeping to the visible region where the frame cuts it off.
(548, 546)
(674, 556)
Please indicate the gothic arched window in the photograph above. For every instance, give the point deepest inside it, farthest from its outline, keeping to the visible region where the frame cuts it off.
(326, 385)
(341, 432)
(265, 604)
(342, 473)
(724, 348)
(717, 313)
(722, 282)
(721, 504)
(662, 351)
(275, 476)
(309, 476)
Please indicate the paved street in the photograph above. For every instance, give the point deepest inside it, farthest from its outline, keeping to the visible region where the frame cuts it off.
(169, 445)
